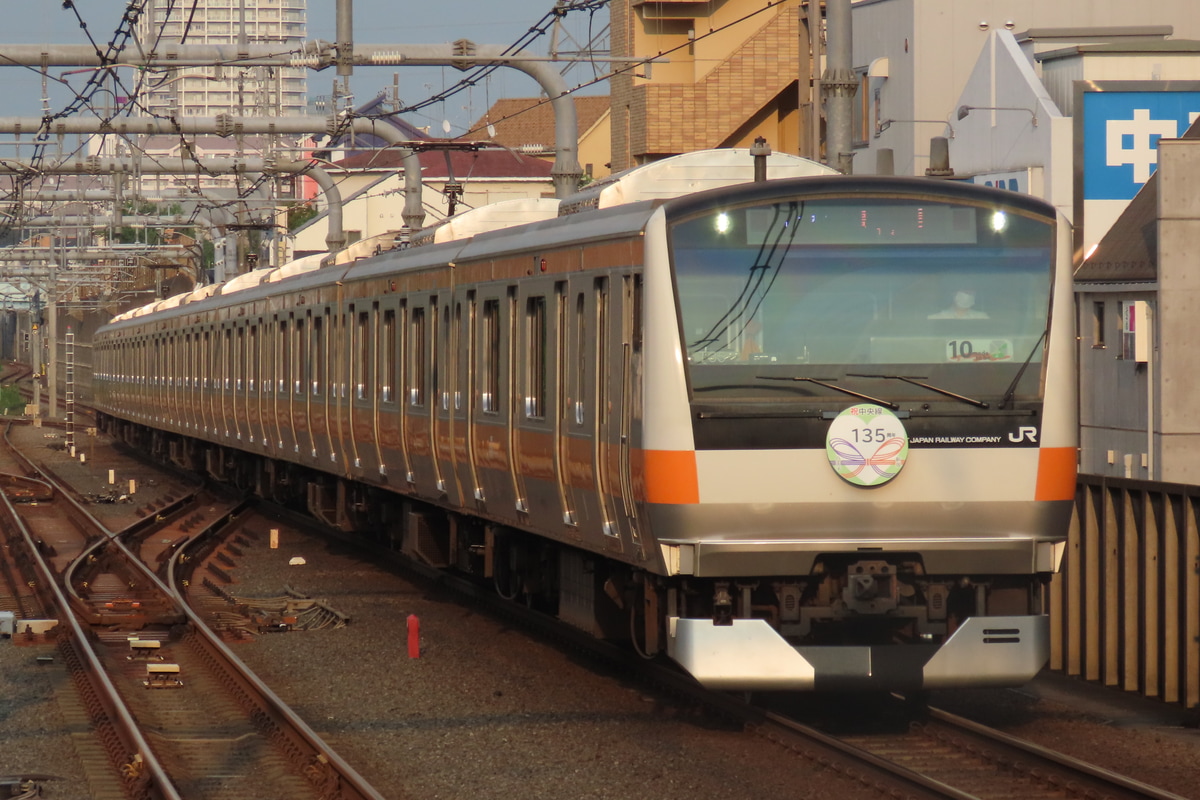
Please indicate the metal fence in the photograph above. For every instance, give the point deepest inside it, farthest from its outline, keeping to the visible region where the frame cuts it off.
(1125, 609)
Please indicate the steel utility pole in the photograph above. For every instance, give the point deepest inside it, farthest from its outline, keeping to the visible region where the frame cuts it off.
(839, 85)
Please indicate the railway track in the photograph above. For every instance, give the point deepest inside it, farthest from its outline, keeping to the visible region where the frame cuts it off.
(170, 712)
(942, 755)
(932, 754)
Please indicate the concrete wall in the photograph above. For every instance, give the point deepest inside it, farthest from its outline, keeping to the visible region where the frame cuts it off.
(1179, 309)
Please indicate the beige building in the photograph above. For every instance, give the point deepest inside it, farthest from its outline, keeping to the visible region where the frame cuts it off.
(728, 75)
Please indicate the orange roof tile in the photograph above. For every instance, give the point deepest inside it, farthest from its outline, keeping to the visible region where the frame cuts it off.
(529, 121)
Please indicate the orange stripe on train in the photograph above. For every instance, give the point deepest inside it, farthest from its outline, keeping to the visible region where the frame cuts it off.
(1056, 475)
(671, 477)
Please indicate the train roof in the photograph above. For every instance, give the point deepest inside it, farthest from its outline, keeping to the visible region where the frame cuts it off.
(684, 174)
(494, 216)
(616, 205)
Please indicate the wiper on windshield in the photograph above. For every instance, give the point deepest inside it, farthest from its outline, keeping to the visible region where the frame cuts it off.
(1012, 387)
(913, 380)
(824, 382)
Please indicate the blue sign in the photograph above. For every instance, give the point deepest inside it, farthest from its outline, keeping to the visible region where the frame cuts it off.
(1120, 137)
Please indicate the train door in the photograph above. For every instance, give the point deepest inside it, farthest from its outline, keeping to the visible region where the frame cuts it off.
(602, 439)
(276, 376)
(445, 380)
(173, 386)
(184, 378)
(464, 399)
(361, 401)
(253, 395)
(207, 369)
(299, 410)
(536, 460)
(314, 403)
(574, 435)
(382, 421)
(421, 379)
(323, 391)
(335, 328)
(225, 382)
(614, 407)
(266, 381)
(239, 400)
(331, 384)
(438, 401)
(557, 411)
(404, 362)
(517, 400)
(286, 360)
(494, 398)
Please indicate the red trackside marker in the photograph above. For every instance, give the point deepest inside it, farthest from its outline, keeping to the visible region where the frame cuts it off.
(414, 636)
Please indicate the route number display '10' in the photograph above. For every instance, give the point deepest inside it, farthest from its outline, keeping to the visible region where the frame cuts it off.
(867, 445)
(979, 350)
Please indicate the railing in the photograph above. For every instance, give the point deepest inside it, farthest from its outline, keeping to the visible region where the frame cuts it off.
(1125, 609)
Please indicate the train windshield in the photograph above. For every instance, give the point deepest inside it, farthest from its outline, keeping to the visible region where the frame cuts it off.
(858, 290)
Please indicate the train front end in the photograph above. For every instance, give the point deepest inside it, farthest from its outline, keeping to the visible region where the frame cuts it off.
(859, 431)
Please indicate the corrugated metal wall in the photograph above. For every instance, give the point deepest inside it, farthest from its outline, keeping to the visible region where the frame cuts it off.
(1126, 605)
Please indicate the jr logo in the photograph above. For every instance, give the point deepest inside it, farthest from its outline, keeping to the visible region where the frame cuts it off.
(1024, 433)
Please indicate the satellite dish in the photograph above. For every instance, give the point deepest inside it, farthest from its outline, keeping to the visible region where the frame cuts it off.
(446, 125)
(491, 131)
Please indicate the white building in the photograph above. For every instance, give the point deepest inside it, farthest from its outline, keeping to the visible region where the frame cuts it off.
(242, 91)
(915, 57)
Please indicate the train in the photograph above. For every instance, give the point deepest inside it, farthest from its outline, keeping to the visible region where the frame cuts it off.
(816, 432)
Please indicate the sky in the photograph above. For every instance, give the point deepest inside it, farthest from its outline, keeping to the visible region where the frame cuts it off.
(376, 22)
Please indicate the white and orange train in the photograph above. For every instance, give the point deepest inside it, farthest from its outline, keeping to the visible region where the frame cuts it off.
(813, 432)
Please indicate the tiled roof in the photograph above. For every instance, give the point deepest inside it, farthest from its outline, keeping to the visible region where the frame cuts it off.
(529, 121)
(490, 163)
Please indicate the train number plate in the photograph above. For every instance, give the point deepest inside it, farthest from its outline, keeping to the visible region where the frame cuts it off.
(960, 350)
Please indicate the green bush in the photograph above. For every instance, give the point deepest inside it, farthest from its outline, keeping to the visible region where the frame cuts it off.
(11, 401)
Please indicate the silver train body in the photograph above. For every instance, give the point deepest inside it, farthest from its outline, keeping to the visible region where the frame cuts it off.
(807, 433)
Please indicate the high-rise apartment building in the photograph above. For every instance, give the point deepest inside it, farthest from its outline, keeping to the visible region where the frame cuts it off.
(226, 89)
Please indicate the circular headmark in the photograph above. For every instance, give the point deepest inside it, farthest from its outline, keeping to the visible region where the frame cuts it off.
(867, 445)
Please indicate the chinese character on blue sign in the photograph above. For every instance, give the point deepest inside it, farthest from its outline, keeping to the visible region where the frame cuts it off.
(1120, 137)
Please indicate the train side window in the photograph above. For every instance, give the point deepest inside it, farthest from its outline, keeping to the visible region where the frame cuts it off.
(362, 373)
(319, 351)
(283, 357)
(388, 357)
(240, 362)
(300, 353)
(601, 349)
(490, 373)
(227, 360)
(561, 353)
(416, 366)
(435, 342)
(206, 358)
(535, 376)
(255, 358)
(581, 357)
